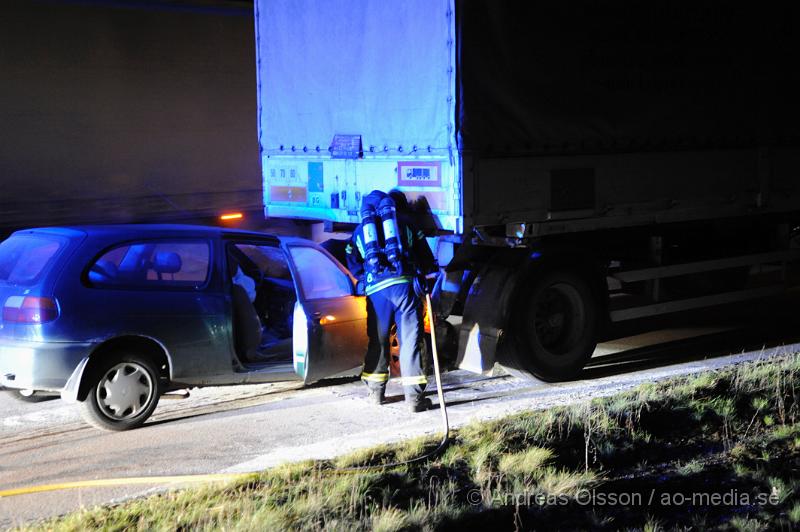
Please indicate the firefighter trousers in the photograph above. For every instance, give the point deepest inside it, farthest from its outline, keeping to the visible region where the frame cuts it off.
(396, 304)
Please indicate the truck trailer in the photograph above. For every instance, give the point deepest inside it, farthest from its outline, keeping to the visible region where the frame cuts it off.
(576, 164)
(127, 111)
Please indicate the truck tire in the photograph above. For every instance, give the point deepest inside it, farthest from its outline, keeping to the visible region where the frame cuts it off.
(553, 328)
(124, 393)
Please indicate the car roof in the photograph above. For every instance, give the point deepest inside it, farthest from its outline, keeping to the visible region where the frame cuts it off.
(157, 230)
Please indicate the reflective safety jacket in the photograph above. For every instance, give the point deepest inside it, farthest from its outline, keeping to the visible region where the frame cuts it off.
(417, 259)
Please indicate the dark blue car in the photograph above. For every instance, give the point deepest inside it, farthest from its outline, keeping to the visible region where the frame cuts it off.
(114, 316)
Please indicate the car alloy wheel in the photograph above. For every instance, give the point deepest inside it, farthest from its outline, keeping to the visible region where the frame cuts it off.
(123, 394)
(125, 391)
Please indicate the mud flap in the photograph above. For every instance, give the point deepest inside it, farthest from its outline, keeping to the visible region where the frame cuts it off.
(71, 389)
(486, 314)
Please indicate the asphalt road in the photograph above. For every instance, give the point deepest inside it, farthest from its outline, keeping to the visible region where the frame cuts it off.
(247, 428)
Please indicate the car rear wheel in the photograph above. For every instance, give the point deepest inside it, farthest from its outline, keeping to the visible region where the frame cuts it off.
(124, 394)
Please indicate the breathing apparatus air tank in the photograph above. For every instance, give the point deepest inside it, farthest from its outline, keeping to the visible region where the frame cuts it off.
(369, 219)
(393, 246)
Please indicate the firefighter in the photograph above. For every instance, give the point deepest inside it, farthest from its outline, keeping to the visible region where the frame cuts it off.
(390, 256)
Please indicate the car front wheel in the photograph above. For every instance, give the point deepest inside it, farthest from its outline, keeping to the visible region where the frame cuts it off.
(124, 394)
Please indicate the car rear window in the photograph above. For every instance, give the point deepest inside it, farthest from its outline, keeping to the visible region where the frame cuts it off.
(153, 264)
(24, 259)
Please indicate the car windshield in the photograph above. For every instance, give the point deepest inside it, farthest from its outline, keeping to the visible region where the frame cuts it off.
(25, 258)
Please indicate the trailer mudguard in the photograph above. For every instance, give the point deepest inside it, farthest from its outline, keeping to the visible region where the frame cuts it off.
(486, 313)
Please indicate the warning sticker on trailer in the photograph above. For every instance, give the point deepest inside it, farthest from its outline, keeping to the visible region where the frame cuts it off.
(287, 184)
(288, 194)
(316, 182)
(419, 174)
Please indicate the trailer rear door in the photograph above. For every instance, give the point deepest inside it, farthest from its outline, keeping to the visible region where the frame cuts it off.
(357, 95)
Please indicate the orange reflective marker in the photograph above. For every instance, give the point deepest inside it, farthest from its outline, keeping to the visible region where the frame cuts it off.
(232, 216)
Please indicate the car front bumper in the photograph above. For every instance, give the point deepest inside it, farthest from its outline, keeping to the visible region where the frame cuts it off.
(42, 366)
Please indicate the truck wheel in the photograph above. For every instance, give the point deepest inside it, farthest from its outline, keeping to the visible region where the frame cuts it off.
(553, 329)
(124, 394)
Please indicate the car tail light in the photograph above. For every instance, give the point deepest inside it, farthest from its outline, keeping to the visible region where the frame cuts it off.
(30, 309)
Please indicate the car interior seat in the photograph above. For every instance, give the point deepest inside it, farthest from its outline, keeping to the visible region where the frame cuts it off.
(103, 271)
(167, 262)
(246, 325)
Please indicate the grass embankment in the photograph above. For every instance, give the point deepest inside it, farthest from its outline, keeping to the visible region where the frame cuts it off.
(717, 450)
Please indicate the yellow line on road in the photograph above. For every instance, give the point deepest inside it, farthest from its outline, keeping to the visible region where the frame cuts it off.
(105, 482)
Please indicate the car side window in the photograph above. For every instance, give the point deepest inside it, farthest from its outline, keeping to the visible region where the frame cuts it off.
(153, 264)
(320, 278)
(270, 260)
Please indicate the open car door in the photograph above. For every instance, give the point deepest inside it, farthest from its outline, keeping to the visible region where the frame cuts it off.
(330, 321)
